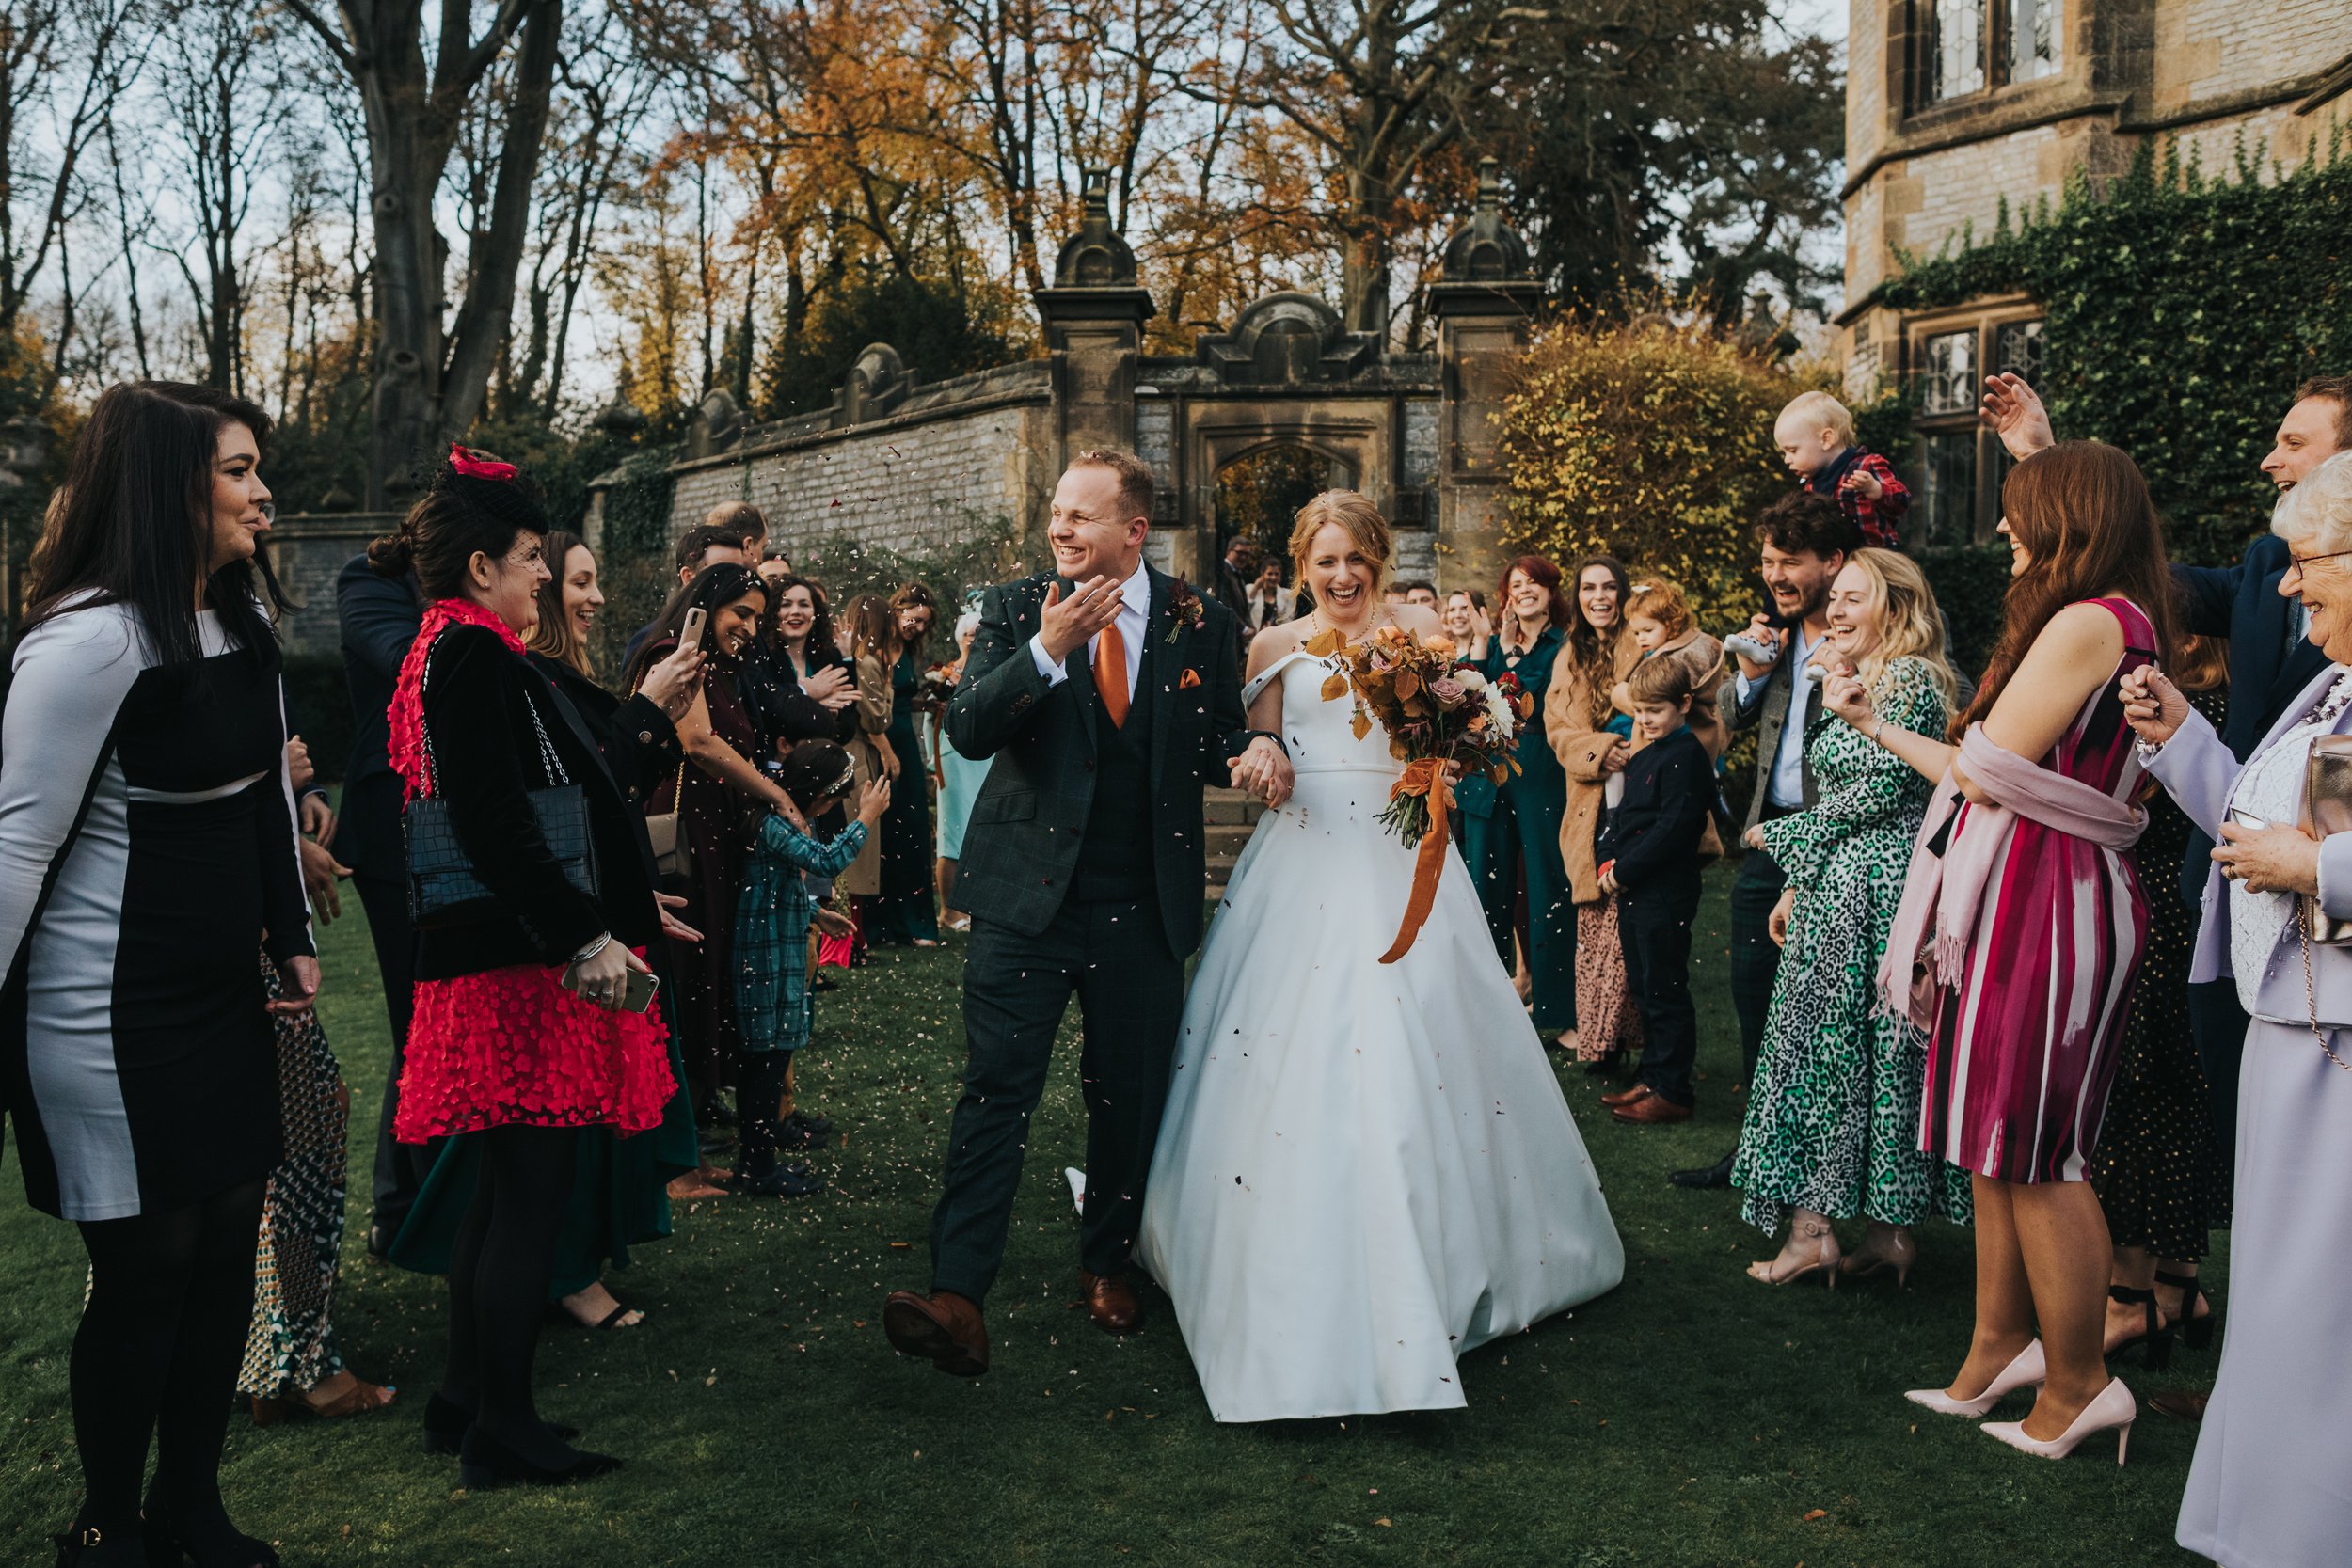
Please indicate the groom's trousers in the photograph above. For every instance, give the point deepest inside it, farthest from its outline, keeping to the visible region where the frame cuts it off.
(1114, 958)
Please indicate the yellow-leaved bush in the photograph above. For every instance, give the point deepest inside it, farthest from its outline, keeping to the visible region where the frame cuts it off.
(1651, 440)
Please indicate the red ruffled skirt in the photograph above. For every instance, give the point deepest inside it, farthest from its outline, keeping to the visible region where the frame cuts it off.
(512, 1047)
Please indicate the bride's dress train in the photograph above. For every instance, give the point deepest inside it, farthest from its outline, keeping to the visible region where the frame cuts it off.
(1364, 1169)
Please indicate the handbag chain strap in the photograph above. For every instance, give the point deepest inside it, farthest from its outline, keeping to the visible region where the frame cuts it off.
(548, 761)
(2311, 997)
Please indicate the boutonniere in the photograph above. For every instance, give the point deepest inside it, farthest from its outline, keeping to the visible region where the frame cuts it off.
(1186, 611)
(1191, 678)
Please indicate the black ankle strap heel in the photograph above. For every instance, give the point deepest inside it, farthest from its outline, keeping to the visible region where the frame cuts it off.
(2197, 1331)
(2155, 1340)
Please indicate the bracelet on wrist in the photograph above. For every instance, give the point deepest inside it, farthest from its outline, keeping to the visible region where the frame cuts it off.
(593, 948)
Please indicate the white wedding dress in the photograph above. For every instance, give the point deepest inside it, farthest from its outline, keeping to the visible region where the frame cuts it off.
(1365, 1170)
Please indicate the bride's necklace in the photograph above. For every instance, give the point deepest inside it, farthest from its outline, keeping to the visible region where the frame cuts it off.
(1317, 626)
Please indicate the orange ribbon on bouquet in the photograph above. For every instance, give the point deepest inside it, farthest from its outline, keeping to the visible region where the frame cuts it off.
(1425, 777)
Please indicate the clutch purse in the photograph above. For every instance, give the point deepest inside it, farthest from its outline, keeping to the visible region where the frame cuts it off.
(672, 854)
(2327, 809)
(443, 888)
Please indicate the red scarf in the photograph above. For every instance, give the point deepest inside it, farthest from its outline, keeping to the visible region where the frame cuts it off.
(406, 714)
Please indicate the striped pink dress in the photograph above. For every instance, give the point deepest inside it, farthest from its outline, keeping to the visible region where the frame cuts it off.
(2024, 1051)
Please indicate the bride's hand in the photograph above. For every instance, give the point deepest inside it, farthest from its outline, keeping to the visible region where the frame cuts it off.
(1265, 770)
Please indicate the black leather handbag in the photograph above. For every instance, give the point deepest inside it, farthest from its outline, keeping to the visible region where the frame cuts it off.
(442, 888)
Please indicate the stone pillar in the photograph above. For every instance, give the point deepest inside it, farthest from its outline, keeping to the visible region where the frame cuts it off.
(1485, 306)
(1093, 317)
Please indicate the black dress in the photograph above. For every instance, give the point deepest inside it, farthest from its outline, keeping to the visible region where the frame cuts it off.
(904, 911)
(2157, 1168)
(146, 846)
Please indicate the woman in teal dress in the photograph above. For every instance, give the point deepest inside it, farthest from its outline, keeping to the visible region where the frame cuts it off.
(1511, 837)
(1833, 1120)
(959, 781)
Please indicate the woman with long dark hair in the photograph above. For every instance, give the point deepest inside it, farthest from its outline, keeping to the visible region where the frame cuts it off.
(1513, 845)
(1594, 742)
(520, 1034)
(799, 636)
(903, 912)
(717, 783)
(146, 852)
(2022, 926)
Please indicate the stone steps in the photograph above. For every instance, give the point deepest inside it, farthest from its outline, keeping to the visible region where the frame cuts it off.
(1230, 816)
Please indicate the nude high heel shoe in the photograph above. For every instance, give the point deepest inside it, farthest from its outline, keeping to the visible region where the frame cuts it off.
(2027, 1369)
(2113, 1410)
(1812, 1249)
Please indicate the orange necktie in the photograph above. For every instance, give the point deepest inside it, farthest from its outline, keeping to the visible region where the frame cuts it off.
(1110, 674)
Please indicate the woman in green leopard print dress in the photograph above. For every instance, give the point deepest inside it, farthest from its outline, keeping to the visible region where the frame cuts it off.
(1833, 1120)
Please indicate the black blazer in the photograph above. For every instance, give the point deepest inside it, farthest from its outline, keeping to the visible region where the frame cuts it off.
(2242, 602)
(772, 696)
(1654, 833)
(1021, 845)
(379, 617)
(478, 705)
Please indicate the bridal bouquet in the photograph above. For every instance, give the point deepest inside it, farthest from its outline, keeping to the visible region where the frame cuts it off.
(1436, 714)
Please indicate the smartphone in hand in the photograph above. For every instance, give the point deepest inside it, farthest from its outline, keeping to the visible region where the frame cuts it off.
(690, 635)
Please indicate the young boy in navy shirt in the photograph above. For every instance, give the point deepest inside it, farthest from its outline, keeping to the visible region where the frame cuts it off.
(1815, 434)
(1648, 854)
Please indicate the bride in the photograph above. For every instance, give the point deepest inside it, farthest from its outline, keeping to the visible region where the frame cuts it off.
(1364, 1170)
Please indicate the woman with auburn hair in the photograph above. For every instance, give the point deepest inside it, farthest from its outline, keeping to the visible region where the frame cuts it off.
(1512, 840)
(2022, 926)
(1832, 1130)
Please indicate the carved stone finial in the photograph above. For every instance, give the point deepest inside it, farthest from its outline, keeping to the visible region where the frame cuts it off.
(621, 418)
(1097, 256)
(1487, 249)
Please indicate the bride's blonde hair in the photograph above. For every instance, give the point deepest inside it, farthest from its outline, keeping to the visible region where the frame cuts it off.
(1353, 513)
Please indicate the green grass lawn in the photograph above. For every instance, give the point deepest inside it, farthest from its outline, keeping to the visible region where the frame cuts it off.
(1691, 1418)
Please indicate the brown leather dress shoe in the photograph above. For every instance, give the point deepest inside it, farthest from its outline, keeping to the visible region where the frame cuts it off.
(1651, 1108)
(1625, 1096)
(1112, 1302)
(2180, 1404)
(943, 1328)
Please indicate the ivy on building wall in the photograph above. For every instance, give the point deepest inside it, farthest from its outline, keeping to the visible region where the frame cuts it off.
(2183, 308)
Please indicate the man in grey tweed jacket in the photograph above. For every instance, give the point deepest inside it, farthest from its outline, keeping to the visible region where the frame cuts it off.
(1108, 695)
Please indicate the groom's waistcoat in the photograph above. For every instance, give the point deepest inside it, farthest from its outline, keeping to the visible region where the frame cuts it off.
(1114, 860)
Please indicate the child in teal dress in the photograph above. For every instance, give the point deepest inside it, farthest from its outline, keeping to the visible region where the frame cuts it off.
(772, 921)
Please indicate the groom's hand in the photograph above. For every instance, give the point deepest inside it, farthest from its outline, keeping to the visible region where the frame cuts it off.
(1265, 770)
(1064, 625)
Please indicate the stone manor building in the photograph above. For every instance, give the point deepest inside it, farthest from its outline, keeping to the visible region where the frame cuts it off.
(1954, 107)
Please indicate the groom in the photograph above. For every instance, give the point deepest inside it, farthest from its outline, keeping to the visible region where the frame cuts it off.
(1105, 691)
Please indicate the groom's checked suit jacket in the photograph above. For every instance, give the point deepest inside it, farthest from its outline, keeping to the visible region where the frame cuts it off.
(1022, 843)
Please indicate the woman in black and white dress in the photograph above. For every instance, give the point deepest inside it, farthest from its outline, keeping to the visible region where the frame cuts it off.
(147, 847)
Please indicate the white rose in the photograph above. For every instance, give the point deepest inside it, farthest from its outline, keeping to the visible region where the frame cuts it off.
(1470, 678)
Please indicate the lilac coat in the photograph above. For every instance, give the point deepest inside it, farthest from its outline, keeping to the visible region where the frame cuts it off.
(2199, 772)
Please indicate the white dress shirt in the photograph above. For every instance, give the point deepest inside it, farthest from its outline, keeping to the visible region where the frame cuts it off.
(1134, 610)
(1786, 787)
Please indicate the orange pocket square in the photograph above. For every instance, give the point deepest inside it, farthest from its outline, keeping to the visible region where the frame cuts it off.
(1192, 678)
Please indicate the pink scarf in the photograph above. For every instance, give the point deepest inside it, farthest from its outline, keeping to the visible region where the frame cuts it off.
(1927, 951)
(406, 714)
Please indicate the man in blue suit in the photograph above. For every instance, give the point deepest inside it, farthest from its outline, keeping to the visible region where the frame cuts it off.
(2270, 661)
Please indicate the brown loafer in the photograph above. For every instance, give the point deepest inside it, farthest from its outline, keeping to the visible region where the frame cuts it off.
(1625, 1096)
(2179, 1404)
(1651, 1108)
(1111, 1300)
(943, 1328)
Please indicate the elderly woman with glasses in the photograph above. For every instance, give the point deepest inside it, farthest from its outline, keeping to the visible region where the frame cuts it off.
(2267, 1486)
